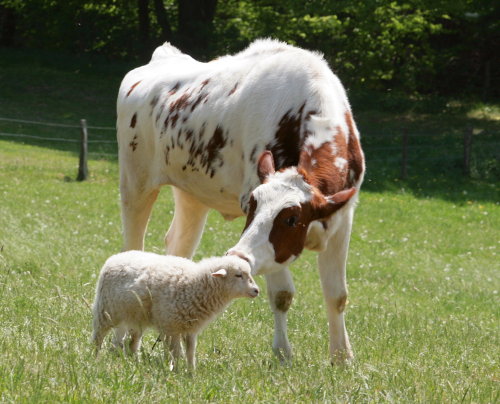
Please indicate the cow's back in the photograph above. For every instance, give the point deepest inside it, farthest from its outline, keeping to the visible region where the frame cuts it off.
(202, 126)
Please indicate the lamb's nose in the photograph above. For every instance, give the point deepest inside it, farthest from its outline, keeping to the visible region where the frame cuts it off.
(253, 292)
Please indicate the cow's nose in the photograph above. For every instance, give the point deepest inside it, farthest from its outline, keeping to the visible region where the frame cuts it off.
(239, 254)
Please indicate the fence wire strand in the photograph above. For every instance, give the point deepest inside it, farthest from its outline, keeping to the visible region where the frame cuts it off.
(59, 125)
(56, 139)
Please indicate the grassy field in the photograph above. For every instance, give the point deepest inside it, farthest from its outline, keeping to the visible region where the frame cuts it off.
(423, 270)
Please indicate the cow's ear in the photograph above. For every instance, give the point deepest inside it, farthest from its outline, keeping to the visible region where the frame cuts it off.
(333, 203)
(265, 165)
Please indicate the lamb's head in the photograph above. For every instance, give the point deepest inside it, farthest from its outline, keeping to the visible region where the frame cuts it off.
(235, 275)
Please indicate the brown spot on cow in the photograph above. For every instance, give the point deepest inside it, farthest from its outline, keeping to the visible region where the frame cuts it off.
(174, 120)
(233, 90)
(198, 100)
(133, 121)
(252, 208)
(132, 88)
(293, 223)
(283, 300)
(355, 155)
(253, 155)
(321, 172)
(189, 135)
(216, 143)
(154, 101)
(319, 163)
(133, 144)
(309, 114)
(203, 84)
(159, 112)
(180, 103)
(166, 122)
(288, 142)
(167, 155)
(341, 303)
(174, 89)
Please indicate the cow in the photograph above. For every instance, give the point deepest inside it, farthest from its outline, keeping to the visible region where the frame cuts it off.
(267, 133)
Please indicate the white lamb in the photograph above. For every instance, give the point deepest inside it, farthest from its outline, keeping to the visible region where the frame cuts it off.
(138, 290)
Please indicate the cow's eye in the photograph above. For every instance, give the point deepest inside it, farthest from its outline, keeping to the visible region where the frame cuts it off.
(291, 221)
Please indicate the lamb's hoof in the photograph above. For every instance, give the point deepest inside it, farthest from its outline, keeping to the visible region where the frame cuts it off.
(284, 355)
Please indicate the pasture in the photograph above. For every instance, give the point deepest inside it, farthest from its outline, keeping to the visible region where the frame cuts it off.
(423, 272)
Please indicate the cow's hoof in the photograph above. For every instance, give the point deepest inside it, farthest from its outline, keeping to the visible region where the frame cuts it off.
(342, 358)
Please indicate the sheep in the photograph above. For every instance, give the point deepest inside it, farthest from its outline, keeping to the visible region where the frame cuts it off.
(137, 290)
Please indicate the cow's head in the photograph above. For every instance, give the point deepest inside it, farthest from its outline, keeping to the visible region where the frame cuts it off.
(280, 211)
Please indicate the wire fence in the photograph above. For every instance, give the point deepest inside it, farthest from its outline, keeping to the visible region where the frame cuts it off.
(60, 125)
(56, 139)
(400, 151)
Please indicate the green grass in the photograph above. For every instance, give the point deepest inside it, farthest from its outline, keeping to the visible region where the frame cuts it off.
(423, 273)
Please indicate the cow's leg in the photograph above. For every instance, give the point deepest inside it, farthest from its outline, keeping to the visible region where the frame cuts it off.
(280, 290)
(137, 203)
(332, 269)
(187, 225)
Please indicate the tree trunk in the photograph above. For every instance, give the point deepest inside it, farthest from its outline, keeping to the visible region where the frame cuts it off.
(144, 29)
(8, 19)
(196, 26)
(162, 18)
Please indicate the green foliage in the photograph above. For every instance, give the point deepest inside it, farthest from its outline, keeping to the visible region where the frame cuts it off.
(406, 46)
(413, 46)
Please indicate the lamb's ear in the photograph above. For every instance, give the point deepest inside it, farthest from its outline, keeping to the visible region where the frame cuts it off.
(221, 273)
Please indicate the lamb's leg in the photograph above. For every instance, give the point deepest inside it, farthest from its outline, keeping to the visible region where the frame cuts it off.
(120, 331)
(100, 332)
(280, 290)
(187, 225)
(190, 340)
(172, 345)
(135, 340)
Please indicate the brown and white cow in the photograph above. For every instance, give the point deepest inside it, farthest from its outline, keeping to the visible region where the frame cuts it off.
(267, 133)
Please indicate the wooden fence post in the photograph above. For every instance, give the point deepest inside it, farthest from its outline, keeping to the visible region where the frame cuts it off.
(467, 149)
(404, 155)
(83, 170)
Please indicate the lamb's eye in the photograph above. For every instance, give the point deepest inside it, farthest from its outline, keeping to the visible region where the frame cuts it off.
(239, 275)
(291, 221)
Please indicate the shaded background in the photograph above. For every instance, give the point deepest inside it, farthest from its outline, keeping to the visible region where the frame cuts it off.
(424, 46)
